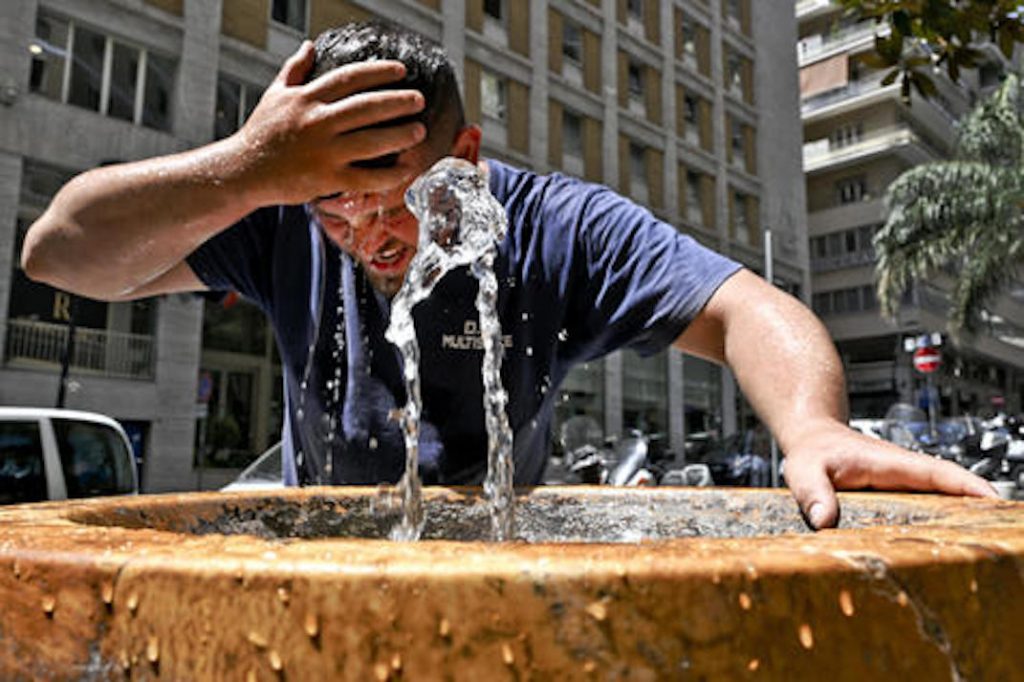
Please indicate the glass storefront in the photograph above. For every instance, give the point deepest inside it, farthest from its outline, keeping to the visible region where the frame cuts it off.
(645, 393)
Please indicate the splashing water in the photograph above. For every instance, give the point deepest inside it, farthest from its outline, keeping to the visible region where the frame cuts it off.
(461, 224)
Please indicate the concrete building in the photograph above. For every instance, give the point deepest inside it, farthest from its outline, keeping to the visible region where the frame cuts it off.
(859, 136)
(688, 106)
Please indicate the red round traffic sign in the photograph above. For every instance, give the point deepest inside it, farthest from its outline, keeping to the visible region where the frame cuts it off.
(927, 360)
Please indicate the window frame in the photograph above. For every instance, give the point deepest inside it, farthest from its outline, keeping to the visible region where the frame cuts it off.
(284, 24)
(109, 42)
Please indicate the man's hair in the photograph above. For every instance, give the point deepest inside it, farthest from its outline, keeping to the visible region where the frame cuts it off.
(426, 63)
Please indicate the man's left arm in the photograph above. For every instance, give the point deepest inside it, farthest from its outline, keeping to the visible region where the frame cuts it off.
(788, 369)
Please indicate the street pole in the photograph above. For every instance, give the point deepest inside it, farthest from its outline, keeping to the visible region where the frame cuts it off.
(769, 274)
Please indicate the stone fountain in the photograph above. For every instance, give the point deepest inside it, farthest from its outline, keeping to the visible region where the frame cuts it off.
(599, 583)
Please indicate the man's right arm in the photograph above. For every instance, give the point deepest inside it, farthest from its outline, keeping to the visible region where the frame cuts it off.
(123, 231)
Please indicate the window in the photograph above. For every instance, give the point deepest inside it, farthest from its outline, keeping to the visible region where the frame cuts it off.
(638, 173)
(636, 80)
(691, 111)
(635, 9)
(85, 68)
(493, 96)
(290, 13)
(852, 190)
(572, 141)
(739, 148)
(688, 32)
(494, 9)
(22, 475)
(572, 42)
(742, 231)
(852, 300)
(693, 201)
(94, 458)
(235, 101)
(49, 52)
(734, 73)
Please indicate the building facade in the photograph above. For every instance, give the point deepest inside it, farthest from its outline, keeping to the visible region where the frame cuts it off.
(859, 136)
(687, 106)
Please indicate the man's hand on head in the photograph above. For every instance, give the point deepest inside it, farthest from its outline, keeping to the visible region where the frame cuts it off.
(831, 456)
(305, 140)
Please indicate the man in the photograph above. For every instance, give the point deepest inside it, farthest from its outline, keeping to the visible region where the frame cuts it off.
(330, 149)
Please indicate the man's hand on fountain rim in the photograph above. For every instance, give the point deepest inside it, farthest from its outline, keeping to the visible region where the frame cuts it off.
(831, 456)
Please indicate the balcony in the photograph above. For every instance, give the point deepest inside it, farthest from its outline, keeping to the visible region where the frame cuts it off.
(847, 260)
(113, 354)
(808, 9)
(852, 38)
(820, 155)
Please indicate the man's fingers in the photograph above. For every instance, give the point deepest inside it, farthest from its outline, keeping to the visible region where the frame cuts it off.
(370, 143)
(904, 470)
(369, 108)
(810, 485)
(352, 78)
(295, 68)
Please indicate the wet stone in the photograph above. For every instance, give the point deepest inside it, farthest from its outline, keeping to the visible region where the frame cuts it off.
(618, 516)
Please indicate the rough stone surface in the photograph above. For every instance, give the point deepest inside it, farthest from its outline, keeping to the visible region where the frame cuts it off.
(276, 586)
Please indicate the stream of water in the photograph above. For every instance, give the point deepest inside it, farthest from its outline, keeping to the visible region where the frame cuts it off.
(461, 224)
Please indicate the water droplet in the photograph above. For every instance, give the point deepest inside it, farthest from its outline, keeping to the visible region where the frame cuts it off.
(529, 351)
(396, 662)
(133, 602)
(311, 625)
(753, 665)
(444, 628)
(902, 599)
(806, 636)
(381, 672)
(745, 602)
(526, 317)
(506, 654)
(373, 443)
(251, 676)
(589, 667)
(846, 602)
(282, 594)
(49, 604)
(124, 660)
(153, 649)
(107, 592)
(258, 639)
(274, 658)
(974, 586)
(598, 610)
(563, 335)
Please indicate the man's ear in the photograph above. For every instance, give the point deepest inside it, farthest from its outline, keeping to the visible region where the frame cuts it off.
(467, 143)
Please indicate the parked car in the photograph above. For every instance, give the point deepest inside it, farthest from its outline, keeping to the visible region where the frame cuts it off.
(51, 454)
(265, 473)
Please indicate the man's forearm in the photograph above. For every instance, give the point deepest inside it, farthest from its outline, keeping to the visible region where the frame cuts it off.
(781, 355)
(786, 365)
(112, 230)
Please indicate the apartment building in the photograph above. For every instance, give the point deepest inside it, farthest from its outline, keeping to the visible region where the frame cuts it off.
(687, 106)
(859, 136)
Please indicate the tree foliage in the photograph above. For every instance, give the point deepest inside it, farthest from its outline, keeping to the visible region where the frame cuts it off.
(964, 216)
(929, 34)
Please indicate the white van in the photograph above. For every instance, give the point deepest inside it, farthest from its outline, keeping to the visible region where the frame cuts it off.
(51, 454)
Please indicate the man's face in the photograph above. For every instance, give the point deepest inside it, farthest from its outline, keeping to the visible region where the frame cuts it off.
(377, 229)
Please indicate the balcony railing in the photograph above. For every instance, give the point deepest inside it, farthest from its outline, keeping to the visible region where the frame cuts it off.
(840, 39)
(846, 260)
(110, 353)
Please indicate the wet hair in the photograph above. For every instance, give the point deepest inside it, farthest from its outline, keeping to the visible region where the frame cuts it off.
(427, 70)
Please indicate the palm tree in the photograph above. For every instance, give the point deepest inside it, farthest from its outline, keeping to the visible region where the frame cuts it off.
(964, 216)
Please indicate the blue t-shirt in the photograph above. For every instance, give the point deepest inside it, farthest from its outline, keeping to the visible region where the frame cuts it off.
(582, 272)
